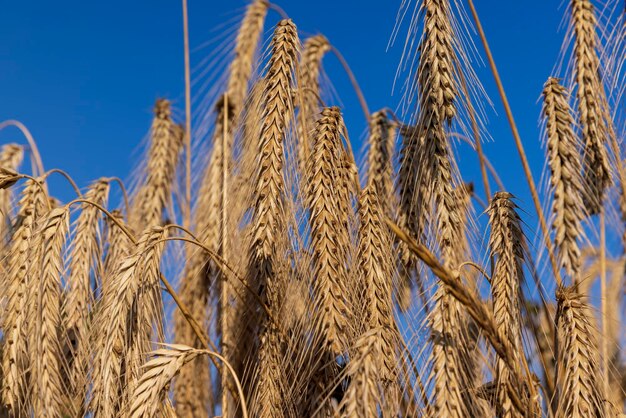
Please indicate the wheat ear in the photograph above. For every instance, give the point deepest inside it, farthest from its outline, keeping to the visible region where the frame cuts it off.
(47, 379)
(116, 326)
(363, 396)
(507, 245)
(15, 351)
(166, 139)
(591, 104)
(329, 267)
(376, 276)
(313, 51)
(269, 219)
(85, 258)
(566, 180)
(578, 382)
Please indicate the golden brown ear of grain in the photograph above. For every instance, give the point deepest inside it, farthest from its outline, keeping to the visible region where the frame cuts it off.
(85, 256)
(11, 157)
(566, 181)
(49, 390)
(578, 383)
(16, 349)
(122, 319)
(154, 195)
(193, 392)
(265, 274)
(375, 270)
(328, 233)
(592, 104)
(308, 95)
(507, 245)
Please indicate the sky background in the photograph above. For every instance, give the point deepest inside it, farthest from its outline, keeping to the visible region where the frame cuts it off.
(83, 76)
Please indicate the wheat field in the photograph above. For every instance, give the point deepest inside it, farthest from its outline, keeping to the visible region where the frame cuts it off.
(260, 268)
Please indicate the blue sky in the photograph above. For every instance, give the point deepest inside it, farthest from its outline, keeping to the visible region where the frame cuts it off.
(83, 76)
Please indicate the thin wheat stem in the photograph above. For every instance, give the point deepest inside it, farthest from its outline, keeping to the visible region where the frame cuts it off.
(187, 205)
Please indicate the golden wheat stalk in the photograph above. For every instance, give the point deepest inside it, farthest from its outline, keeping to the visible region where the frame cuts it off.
(210, 217)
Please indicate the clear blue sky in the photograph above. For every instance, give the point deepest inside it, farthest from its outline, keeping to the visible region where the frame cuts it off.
(83, 75)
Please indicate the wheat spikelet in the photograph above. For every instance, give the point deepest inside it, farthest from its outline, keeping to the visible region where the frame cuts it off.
(436, 70)
(507, 245)
(116, 326)
(166, 140)
(615, 325)
(84, 258)
(14, 353)
(268, 222)
(313, 51)
(47, 378)
(591, 104)
(411, 218)
(578, 384)
(566, 180)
